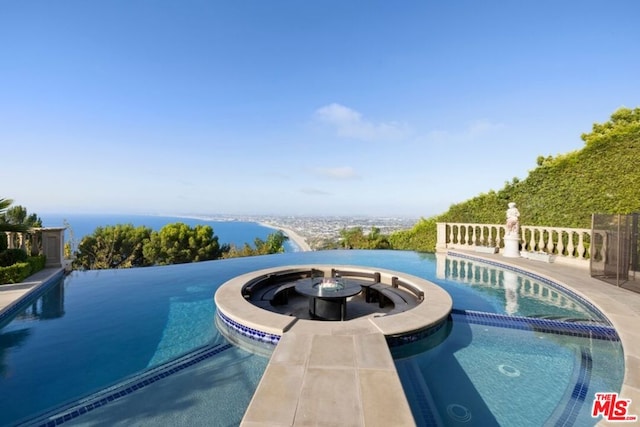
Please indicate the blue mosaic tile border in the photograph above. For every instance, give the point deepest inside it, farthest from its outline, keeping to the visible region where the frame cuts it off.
(588, 304)
(424, 407)
(585, 330)
(251, 333)
(18, 305)
(110, 394)
(579, 392)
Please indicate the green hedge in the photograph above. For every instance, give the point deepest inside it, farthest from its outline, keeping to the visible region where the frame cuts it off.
(12, 256)
(37, 263)
(16, 273)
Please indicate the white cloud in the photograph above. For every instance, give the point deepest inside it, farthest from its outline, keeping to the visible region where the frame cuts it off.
(339, 173)
(349, 123)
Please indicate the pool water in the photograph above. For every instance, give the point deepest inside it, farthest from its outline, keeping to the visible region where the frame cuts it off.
(95, 329)
(509, 377)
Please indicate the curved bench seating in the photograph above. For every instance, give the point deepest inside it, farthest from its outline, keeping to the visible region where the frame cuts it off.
(274, 288)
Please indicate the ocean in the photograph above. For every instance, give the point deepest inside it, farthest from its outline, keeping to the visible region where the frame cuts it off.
(232, 232)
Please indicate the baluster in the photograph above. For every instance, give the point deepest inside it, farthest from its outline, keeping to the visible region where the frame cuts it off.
(560, 246)
(541, 240)
(570, 246)
(472, 240)
(451, 238)
(550, 242)
(532, 241)
(482, 241)
(581, 251)
(459, 240)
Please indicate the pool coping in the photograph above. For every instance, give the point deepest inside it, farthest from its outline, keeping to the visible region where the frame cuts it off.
(620, 306)
(12, 296)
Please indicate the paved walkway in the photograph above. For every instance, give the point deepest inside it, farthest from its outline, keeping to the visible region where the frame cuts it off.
(11, 293)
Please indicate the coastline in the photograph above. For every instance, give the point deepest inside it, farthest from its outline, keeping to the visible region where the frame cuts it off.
(295, 237)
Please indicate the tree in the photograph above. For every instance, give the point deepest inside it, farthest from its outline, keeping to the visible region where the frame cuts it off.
(354, 238)
(377, 240)
(4, 224)
(15, 219)
(273, 245)
(178, 243)
(118, 246)
(422, 237)
(623, 122)
(18, 215)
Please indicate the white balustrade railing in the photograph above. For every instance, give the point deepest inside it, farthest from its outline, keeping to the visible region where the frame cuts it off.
(565, 244)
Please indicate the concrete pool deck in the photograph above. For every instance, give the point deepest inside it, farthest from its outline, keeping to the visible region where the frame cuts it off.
(622, 308)
(12, 293)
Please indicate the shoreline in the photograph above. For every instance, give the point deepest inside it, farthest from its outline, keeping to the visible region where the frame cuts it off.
(299, 241)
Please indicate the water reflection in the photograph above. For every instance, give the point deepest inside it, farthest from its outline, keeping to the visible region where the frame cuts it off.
(9, 340)
(511, 288)
(48, 306)
(513, 293)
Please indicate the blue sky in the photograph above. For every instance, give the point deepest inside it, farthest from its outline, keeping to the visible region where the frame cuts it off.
(299, 107)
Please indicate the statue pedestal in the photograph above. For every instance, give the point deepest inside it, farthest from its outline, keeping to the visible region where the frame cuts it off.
(511, 246)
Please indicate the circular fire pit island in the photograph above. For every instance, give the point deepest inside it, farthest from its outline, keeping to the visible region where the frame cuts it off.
(255, 310)
(328, 328)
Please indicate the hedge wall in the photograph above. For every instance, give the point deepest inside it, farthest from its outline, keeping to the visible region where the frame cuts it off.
(16, 273)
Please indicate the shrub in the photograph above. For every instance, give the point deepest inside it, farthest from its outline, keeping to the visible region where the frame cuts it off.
(37, 263)
(19, 271)
(15, 273)
(12, 256)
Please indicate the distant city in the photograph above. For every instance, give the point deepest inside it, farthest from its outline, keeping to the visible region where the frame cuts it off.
(323, 228)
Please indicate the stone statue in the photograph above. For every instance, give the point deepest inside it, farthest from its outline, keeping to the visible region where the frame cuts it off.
(513, 219)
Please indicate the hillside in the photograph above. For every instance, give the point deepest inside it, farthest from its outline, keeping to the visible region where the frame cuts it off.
(602, 177)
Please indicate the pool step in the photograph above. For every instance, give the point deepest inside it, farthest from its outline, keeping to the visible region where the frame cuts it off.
(561, 327)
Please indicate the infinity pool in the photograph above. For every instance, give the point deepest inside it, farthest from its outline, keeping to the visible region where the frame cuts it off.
(520, 351)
